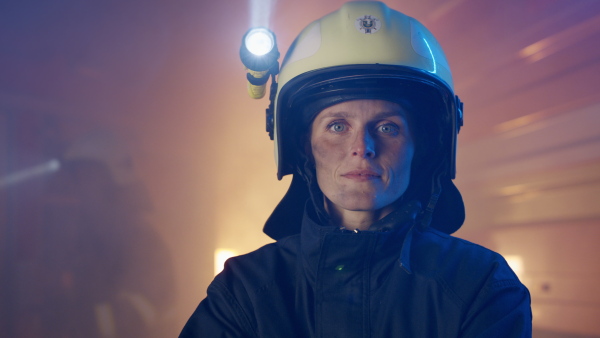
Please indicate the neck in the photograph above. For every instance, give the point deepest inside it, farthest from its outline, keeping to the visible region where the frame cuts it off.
(354, 220)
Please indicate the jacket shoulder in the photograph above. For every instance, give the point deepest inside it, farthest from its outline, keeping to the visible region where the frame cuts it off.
(258, 267)
(435, 247)
(464, 268)
(244, 288)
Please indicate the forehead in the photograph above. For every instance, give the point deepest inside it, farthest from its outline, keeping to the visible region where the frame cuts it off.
(363, 108)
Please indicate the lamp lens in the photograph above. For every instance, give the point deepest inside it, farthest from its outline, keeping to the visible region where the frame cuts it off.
(259, 41)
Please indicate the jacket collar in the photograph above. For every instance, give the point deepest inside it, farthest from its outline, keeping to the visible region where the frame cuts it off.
(379, 249)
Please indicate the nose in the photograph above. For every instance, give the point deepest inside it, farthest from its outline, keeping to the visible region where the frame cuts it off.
(363, 145)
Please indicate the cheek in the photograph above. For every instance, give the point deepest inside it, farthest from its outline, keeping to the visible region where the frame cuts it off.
(404, 163)
(326, 154)
(327, 158)
(318, 153)
(400, 160)
(406, 156)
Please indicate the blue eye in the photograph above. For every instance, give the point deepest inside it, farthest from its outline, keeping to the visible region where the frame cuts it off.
(337, 127)
(388, 128)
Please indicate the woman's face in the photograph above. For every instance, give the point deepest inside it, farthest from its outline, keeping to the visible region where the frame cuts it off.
(363, 151)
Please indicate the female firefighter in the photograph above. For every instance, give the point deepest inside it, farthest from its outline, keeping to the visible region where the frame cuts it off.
(366, 120)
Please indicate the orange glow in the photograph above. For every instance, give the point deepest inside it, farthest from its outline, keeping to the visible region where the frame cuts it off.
(519, 122)
(516, 263)
(221, 255)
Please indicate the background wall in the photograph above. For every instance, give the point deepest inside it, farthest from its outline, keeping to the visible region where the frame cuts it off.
(129, 153)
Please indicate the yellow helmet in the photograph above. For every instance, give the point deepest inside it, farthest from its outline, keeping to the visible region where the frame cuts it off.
(366, 50)
(357, 45)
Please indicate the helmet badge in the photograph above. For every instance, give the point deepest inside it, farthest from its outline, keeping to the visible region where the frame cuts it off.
(367, 24)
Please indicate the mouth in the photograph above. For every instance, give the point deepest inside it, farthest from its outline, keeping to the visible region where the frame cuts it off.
(361, 175)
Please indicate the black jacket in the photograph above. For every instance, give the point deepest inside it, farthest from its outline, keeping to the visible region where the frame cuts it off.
(326, 282)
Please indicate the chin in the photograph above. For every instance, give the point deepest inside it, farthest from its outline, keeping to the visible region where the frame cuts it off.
(361, 204)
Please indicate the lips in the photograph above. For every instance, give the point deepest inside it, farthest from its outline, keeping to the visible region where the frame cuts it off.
(361, 175)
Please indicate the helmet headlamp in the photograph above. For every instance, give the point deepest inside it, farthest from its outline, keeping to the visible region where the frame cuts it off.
(259, 41)
(259, 54)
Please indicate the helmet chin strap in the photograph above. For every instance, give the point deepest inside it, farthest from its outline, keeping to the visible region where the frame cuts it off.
(406, 213)
(436, 191)
(427, 213)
